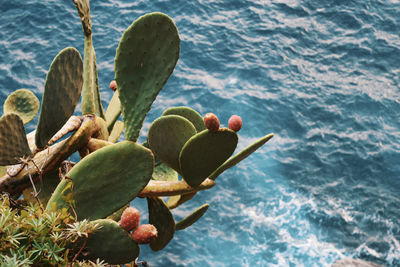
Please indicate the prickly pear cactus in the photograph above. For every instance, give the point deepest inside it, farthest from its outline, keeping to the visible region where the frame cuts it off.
(192, 218)
(204, 153)
(109, 176)
(13, 142)
(240, 156)
(113, 111)
(192, 115)
(24, 103)
(145, 58)
(105, 180)
(162, 219)
(166, 137)
(61, 94)
(111, 243)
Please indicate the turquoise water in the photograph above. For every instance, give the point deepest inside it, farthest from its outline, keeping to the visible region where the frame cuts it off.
(322, 75)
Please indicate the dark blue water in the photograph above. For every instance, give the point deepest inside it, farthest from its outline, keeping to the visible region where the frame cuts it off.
(322, 75)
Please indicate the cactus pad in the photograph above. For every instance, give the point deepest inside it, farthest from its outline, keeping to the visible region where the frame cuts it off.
(61, 94)
(111, 243)
(145, 58)
(116, 131)
(113, 111)
(166, 137)
(164, 173)
(175, 201)
(162, 219)
(188, 113)
(13, 142)
(204, 153)
(240, 156)
(24, 103)
(106, 179)
(192, 218)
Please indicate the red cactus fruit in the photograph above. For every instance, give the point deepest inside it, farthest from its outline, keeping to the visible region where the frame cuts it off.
(235, 123)
(211, 122)
(144, 234)
(113, 85)
(130, 219)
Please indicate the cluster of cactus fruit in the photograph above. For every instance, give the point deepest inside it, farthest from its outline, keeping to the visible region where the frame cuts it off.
(110, 174)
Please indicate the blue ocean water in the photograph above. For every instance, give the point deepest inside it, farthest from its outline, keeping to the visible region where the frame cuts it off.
(322, 75)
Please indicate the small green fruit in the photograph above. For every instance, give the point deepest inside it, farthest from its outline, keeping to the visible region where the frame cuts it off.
(145, 233)
(130, 219)
(235, 123)
(211, 122)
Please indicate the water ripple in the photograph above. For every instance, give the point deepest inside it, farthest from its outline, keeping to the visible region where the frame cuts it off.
(321, 75)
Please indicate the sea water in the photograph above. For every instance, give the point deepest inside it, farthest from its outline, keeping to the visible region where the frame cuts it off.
(323, 76)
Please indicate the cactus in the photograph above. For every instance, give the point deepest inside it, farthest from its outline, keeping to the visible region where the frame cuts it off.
(13, 142)
(168, 188)
(109, 176)
(241, 156)
(145, 58)
(113, 111)
(63, 86)
(164, 173)
(116, 131)
(192, 115)
(111, 243)
(192, 218)
(91, 103)
(23, 103)
(47, 188)
(204, 153)
(108, 179)
(163, 220)
(166, 137)
(176, 201)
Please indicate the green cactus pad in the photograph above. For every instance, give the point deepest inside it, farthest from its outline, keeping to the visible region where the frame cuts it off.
(166, 137)
(91, 102)
(24, 103)
(192, 218)
(113, 111)
(105, 180)
(188, 113)
(116, 131)
(13, 142)
(162, 219)
(111, 243)
(145, 58)
(61, 94)
(175, 201)
(204, 153)
(240, 156)
(164, 173)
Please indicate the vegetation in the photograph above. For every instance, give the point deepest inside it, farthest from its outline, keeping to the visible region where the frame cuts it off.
(58, 212)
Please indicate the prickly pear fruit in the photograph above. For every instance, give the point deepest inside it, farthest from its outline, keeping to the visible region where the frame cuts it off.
(130, 219)
(113, 85)
(211, 122)
(235, 123)
(145, 233)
